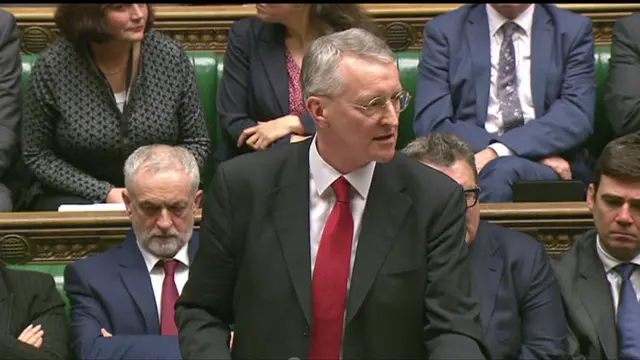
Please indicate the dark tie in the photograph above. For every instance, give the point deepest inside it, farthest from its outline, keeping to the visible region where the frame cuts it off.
(628, 315)
(330, 276)
(508, 80)
(169, 298)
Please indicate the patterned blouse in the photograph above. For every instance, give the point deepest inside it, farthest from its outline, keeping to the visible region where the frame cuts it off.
(72, 137)
(296, 99)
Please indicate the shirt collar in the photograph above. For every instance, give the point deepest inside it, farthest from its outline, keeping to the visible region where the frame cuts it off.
(608, 261)
(151, 260)
(496, 20)
(323, 174)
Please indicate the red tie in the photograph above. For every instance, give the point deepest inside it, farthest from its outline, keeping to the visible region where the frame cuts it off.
(169, 298)
(330, 276)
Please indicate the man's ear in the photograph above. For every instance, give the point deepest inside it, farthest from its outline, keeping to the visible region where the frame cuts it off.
(316, 108)
(198, 199)
(591, 196)
(127, 201)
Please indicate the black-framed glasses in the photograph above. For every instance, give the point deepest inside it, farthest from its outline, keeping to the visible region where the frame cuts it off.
(378, 105)
(471, 196)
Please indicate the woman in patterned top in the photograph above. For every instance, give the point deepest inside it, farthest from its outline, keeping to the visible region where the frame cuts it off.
(260, 100)
(109, 86)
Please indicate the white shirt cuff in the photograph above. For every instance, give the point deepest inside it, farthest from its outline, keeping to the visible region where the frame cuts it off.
(501, 149)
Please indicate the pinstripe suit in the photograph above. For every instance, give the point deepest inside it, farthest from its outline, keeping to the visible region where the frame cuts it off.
(29, 297)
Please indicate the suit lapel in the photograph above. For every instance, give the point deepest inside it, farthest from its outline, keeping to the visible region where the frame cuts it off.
(541, 44)
(136, 279)
(290, 201)
(595, 293)
(272, 52)
(6, 307)
(384, 212)
(487, 266)
(478, 40)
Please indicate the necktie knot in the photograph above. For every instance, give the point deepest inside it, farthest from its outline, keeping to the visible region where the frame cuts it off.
(342, 188)
(625, 270)
(169, 266)
(509, 28)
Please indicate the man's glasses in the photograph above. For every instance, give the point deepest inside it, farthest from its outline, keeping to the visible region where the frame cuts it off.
(471, 196)
(378, 105)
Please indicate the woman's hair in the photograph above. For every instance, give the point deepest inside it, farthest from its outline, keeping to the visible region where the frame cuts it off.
(81, 23)
(330, 18)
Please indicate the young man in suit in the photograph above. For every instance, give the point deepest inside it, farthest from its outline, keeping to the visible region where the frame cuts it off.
(599, 275)
(122, 300)
(33, 323)
(334, 247)
(517, 83)
(522, 316)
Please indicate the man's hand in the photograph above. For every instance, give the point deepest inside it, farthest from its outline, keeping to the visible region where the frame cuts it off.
(32, 335)
(115, 196)
(484, 157)
(105, 333)
(295, 138)
(265, 133)
(559, 165)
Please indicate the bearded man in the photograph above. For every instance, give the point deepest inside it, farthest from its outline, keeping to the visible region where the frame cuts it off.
(122, 300)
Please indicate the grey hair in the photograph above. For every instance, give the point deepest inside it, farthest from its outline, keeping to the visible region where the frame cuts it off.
(441, 149)
(321, 63)
(158, 158)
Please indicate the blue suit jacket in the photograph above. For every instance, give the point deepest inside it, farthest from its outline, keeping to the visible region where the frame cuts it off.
(522, 315)
(112, 290)
(255, 83)
(454, 81)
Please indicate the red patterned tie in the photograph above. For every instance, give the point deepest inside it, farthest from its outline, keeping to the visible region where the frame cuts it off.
(330, 276)
(169, 298)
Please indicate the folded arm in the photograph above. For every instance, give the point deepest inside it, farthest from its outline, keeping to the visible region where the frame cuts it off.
(569, 121)
(204, 310)
(433, 102)
(88, 318)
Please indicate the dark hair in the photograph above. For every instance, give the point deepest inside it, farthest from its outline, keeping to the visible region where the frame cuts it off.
(620, 158)
(82, 23)
(330, 18)
(441, 149)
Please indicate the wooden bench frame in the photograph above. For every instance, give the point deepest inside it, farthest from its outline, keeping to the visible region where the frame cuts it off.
(201, 28)
(62, 237)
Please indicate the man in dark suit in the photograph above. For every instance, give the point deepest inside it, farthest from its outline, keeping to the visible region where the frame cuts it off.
(122, 300)
(522, 316)
(291, 255)
(598, 276)
(517, 83)
(33, 323)
(10, 113)
(622, 95)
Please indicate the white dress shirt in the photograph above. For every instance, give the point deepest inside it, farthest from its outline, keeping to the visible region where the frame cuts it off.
(615, 280)
(322, 198)
(157, 272)
(522, 47)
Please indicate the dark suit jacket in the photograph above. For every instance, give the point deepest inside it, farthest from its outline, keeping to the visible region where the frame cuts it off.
(31, 298)
(586, 294)
(255, 83)
(522, 315)
(455, 70)
(112, 290)
(10, 75)
(623, 96)
(411, 294)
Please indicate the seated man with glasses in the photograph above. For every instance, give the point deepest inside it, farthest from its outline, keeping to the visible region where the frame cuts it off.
(522, 315)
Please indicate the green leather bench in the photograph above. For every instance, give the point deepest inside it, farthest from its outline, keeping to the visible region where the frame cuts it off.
(209, 70)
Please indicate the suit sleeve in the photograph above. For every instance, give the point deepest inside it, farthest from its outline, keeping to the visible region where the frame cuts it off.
(47, 310)
(622, 98)
(87, 318)
(193, 129)
(574, 347)
(570, 118)
(544, 328)
(434, 104)
(452, 306)
(10, 75)
(204, 310)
